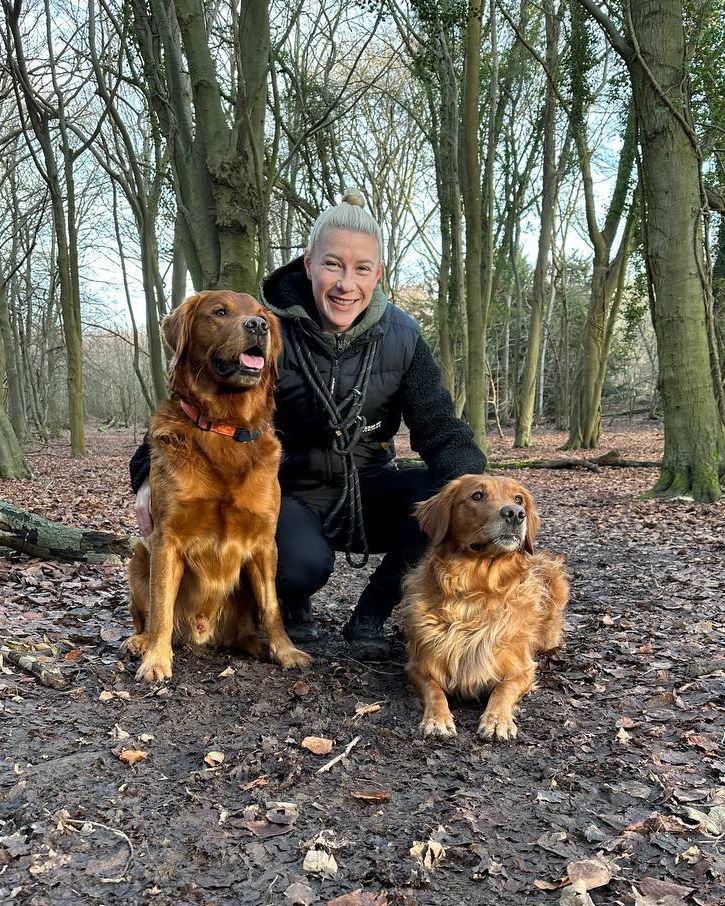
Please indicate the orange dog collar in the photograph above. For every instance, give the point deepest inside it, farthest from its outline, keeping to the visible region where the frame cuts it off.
(240, 435)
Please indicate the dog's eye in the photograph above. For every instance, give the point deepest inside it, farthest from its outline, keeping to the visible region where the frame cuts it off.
(519, 499)
(221, 312)
(477, 495)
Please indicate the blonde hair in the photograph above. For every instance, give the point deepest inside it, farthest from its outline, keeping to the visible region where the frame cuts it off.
(350, 214)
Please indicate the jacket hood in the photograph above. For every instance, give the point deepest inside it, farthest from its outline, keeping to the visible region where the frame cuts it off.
(287, 292)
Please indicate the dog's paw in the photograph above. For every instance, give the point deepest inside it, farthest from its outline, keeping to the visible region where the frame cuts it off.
(497, 725)
(154, 668)
(438, 726)
(136, 645)
(290, 657)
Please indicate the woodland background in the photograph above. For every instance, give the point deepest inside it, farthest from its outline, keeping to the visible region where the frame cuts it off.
(549, 177)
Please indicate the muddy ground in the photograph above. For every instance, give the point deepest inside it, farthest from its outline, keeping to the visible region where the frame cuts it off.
(619, 756)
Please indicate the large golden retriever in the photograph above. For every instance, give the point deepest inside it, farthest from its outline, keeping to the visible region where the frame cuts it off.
(481, 603)
(214, 491)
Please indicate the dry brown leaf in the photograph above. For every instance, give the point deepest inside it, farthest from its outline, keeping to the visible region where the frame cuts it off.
(360, 898)
(428, 853)
(371, 795)
(105, 696)
(318, 745)
(73, 655)
(133, 756)
(214, 759)
(301, 689)
(591, 872)
(550, 885)
(282, 812)
(262, 780)
(230, 671)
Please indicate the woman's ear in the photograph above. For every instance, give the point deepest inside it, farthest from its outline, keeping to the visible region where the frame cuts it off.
(434, 515)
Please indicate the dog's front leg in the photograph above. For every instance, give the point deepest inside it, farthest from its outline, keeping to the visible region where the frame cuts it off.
(165, 574)
(437, 717)
(498, 718)
(262, 568)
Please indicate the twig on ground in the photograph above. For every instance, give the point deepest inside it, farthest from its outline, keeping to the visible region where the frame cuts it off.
(62, 819)
(331, 763)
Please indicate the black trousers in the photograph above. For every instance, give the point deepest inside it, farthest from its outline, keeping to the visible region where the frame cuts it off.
(306, 555)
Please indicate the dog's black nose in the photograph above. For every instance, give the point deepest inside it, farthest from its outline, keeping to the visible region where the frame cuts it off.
(513, 513)
(257, 325)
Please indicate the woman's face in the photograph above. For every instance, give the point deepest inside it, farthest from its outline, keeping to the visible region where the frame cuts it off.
(344, 269)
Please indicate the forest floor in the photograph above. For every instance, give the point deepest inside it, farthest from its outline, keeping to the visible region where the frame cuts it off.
(617, 777)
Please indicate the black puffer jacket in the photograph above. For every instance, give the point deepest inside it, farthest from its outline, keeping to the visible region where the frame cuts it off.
(404, 381)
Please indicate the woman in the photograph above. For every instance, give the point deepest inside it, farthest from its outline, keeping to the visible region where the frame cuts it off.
(353, 365)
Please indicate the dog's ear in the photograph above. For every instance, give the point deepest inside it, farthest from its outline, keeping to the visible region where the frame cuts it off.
(176, 328)
(532, 521)
(275, 350)
(434, 515)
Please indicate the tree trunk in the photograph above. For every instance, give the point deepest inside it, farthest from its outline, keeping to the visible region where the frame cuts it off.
(525, 419)
(694, 458)
(12, 461)
(472, 201)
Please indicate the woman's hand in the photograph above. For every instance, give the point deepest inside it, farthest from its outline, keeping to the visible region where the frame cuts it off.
(143, 509)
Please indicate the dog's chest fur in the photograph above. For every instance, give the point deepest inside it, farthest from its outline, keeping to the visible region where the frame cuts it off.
(469, 636)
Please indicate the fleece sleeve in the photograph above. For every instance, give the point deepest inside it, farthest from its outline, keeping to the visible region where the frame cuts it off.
(140, 465)
(444, 442)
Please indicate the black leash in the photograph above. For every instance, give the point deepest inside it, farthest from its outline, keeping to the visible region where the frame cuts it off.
(347, 431)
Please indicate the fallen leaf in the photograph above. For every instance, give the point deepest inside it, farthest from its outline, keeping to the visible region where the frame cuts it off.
(371, 795)
(591, 872)
(301, 689)
(320, 862)
(712, 823)
(119, 733)
(73, 655)
(550, 885)
(264, 829)
(300, 894)
(575, 895)
(230, 671)
(112, 633)
(282, 812)
(360, 898)
(105, 696)
(653, 892)
(146, 737)
(214, 759)
(133, 756)
(263, 780)
(623, 737)
(428, 853)
(318, 745)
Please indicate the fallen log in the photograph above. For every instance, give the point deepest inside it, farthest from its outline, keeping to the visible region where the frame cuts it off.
(38, 537)
(612, 459)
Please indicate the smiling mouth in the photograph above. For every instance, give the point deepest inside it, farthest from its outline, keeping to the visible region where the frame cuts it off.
(251, 361)
(344, 303)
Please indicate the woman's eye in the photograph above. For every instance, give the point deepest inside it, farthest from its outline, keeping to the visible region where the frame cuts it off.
(519, 499)
(477, 495)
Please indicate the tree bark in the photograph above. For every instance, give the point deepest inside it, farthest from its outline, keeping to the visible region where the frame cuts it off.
(694, 459)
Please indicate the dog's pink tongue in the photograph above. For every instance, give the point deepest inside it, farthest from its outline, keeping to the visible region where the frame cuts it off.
(252, 361)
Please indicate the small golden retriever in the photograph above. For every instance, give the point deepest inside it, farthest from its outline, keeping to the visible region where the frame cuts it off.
(215, 496)
(480, 604)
